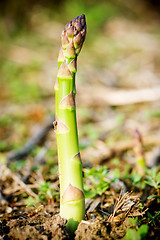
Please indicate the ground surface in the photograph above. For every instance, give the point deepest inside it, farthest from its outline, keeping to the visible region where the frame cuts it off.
(118, 91)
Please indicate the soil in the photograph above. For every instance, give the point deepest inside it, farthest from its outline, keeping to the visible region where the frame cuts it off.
(45, 223)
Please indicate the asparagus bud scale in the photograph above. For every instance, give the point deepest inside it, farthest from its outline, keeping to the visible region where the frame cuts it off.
(72, 202)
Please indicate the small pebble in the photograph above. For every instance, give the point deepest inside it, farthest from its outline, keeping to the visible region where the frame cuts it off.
(9, 210)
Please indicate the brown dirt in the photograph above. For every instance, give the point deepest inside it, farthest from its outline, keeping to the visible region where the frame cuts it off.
(27, 224)
(45, 226)
(40, 226)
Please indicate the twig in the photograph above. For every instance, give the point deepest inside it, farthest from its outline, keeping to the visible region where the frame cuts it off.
(114, 97)
(26, 149)
(101, 152)
(123, 204)
(6, 172)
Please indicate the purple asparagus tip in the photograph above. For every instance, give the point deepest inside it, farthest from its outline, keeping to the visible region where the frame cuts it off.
(73, 35)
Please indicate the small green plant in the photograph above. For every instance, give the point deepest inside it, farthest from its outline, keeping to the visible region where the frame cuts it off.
(36, 209)
(45, 192)
(115, 161)
(153, 178)
(31, 201)
(17, 165)
(116, 174)
(136, 233)
(154, 219)
(96, 181)
(137, 180)
(141, 206)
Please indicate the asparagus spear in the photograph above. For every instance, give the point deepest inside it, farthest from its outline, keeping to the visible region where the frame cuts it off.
(139, 153)
(72, 202)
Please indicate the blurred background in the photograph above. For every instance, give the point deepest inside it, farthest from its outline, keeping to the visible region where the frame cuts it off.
(118, 86)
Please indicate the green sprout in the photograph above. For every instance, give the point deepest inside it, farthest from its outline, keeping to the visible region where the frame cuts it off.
(137, 180)
(45, 192)
(139, 153)
(135, 232)
(36, 209)
(72, 203)
(96, 181)
(153, 180)
(155, 218)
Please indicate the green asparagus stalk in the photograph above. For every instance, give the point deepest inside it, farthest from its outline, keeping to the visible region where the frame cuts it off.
(72, 202)
(139, 153)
